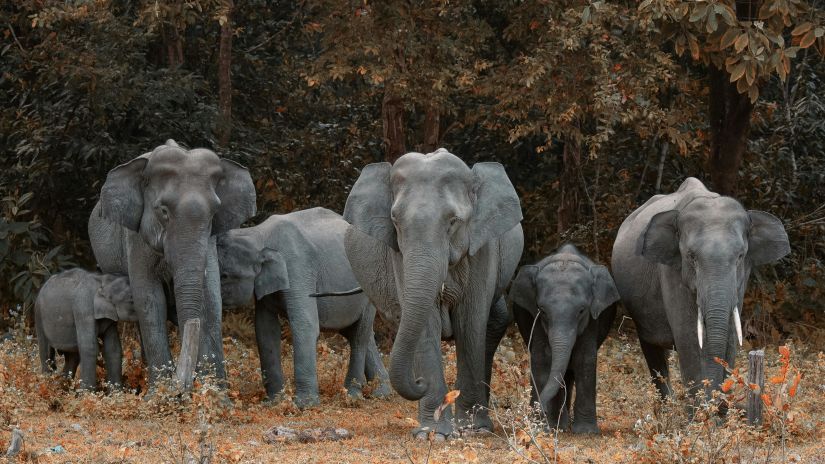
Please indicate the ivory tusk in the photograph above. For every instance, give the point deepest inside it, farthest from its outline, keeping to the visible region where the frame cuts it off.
(700, 327)
(738, 323)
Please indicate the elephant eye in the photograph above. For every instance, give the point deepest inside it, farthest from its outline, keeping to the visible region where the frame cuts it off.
(163, 212)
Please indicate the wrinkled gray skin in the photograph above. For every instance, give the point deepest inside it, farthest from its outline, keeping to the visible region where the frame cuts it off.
(683, 259)
(281, 262)
(72, 310)
(156, 221)
(573, 299)
(434, 243)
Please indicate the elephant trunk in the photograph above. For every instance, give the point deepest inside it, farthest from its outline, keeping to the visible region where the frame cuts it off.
(716, 306)
(561, 346)
(424, 272)
(186, 250)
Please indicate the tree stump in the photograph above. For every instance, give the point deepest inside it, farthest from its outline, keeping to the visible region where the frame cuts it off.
(756, 375)
(188, 353)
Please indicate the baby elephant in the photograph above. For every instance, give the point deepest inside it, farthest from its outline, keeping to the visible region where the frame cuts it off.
(282, 261)
(72, 310)
(564, 306)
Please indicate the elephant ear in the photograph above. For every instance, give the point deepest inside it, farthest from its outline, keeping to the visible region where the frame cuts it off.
(369, 203)
(604, 290)
(274, 276)
(660, 241)
(523, 289)
(237, 194)
(767, 240)
(121, 197)
(496, 208)
(104, 307)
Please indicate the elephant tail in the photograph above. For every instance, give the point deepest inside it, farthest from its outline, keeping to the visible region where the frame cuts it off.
(353, 291)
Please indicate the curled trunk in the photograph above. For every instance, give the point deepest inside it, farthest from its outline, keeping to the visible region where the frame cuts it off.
(423, 276)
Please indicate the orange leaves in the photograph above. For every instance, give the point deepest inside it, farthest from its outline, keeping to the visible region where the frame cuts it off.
(449, 399)
(727, 384)
(795, 384)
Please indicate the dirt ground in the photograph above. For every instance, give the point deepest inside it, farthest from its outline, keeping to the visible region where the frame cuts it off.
(61, 426)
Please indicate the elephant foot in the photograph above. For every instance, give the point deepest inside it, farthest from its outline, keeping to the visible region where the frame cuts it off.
(439, 433)
(585, 427)
(306, 401)
(381, 391)
(475, 431)
(275, 399)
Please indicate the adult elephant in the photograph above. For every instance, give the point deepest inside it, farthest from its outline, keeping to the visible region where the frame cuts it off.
(156, 221)
(681, 263)
(437, 242)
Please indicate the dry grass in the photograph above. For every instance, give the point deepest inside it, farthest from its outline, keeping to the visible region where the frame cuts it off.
(636, 427)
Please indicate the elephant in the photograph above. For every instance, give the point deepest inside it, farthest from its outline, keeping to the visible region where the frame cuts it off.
(281, 262)
(433, 243)
(156, 221)
(574, 302)
(73, 309)
(681, 263)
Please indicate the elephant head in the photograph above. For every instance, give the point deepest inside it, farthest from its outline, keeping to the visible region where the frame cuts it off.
(713, 243)
(249, 268)
(566, 291)
(113, 299)
(176, 199)
(434, 213)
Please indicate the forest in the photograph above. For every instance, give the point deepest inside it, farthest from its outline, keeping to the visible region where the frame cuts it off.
(591, 106)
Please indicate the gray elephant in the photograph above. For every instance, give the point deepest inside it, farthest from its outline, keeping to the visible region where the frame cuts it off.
(156, 221)
(564, 306)
(681, 264)
(436, 242)
(282, 261)
(72, 310)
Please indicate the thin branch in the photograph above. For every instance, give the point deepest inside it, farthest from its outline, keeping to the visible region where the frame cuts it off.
(11, 29)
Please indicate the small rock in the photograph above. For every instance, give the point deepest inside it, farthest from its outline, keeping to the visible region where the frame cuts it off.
(57, 449)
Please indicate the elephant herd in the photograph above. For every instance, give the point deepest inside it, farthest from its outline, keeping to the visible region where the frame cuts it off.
(432, 245)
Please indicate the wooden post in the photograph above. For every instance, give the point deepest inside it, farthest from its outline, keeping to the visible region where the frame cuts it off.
(188, 358)
(16, 443)
(756, 375)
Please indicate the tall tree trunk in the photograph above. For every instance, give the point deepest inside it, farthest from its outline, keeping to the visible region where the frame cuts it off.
(432, 128)
(225, 76)
(730, 114)
(569, 198)
(392, 115)
(174, 46)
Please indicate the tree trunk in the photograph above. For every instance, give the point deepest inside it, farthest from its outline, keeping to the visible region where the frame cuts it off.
(174, 46)
(569, 197)
(225, 76)
(432, 129)
(730, 114)
(392, 115)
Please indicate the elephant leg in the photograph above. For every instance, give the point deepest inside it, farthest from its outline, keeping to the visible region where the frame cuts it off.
(656, 358)
(70, 362)
(428, 364)
(374, 367)
(355, 378)
(303, 320)
(150, 306)
(113, 356)
(584, 372)
(535, 339)
(470, 325)
(87, 348)
(268, 335)
(496, 327)
(211, 338)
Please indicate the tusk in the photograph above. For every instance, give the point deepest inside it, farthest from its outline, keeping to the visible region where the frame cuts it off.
(738, 323)
(700, 327)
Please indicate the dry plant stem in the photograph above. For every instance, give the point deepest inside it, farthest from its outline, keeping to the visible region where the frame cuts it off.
(756, 375)
(16, 443)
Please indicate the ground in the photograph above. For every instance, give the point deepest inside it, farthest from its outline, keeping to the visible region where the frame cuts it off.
(61, 426)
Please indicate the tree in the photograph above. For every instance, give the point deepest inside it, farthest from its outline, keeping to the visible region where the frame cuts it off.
(225, 73)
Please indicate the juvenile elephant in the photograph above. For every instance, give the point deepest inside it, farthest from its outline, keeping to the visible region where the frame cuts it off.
(72, 310)
(437, 242)
(282, 261)
(564, 307)
(156, 221)
(681, 263)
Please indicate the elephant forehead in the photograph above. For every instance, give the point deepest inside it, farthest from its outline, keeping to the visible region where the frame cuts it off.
(564, 275)
(200, 161)
(712, 210)
(427, 167)
(236, 249)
